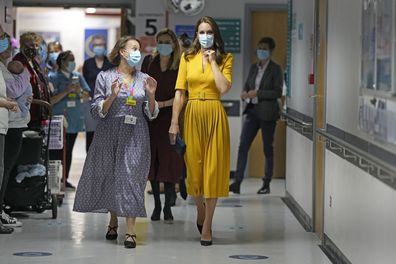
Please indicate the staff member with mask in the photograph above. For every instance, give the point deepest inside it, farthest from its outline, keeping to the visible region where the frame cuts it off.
(262, 89)
(91, 68)
(205, 71)
(70, 88)
(118, 162)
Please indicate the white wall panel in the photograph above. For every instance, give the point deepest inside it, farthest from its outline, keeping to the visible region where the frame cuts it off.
(361, 220)
(299, 169)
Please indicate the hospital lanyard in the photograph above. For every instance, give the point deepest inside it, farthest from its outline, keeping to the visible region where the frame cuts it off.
(130, 87)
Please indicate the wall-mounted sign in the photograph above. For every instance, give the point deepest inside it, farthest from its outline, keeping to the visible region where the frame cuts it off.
(230, 30)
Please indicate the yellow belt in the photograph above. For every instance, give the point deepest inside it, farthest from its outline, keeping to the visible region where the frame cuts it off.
(203, 96)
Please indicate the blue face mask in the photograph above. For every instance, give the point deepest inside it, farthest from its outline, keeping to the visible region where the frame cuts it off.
(262, 54)
(43, 53)
(71, 66)
(99, 51)
(165, 49)
(206, 40)
(4, 44)
(134, 58)
(53, 56)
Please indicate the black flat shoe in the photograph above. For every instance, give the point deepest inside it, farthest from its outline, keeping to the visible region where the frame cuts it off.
(264, 190)
(112, 236)
(206, 243)
(130, 244)
(156, 215)
(168, 217)
(199, 228)
(235, 187)
(6, 230)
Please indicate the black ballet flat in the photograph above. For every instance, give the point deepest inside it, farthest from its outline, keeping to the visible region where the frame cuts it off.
(130, 244)
(206, 243)
(156, 216)
(199, 228)
(112, 236)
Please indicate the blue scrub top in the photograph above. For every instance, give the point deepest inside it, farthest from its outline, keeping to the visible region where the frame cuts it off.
(70, 107)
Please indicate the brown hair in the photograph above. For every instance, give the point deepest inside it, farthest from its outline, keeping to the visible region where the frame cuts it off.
(218, 44)
(114, 56)
(175, 56)
(55, 43)
(269, 41)
(63, 56)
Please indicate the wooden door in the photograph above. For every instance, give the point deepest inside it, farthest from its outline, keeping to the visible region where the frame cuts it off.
(272, 24)
(320, 114)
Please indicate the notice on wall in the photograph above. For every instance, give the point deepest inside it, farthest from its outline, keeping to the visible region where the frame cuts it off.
(377, 117)
(150, 19)
(230, 30)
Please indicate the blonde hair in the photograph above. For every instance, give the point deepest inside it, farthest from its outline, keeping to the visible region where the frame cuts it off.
(175, 56)
(29, 37)
(114, 56)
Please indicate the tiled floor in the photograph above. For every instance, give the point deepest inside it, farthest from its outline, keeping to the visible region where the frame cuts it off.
(246, 224)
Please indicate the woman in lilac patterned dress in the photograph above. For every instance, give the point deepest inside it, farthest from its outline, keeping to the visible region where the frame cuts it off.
(118, 162)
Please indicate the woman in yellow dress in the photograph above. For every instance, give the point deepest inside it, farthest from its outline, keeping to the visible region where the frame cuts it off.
(205, 71)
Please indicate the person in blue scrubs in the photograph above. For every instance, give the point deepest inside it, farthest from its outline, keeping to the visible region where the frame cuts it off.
(70, 92)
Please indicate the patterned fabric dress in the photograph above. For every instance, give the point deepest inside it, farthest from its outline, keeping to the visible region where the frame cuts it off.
(118, 162)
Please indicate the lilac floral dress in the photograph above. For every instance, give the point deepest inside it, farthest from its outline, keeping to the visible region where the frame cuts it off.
(118, 162)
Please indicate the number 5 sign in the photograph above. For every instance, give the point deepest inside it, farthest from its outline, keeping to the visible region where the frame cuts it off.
(150, 18)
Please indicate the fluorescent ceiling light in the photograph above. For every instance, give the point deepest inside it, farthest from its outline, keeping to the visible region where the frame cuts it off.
(90, 10)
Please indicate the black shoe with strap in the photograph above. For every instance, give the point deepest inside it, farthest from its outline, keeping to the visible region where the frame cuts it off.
(6, 230)
(112, 233)
(128, 243)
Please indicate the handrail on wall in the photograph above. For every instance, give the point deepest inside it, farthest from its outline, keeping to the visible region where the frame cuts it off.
(363, 160)
(295, 119)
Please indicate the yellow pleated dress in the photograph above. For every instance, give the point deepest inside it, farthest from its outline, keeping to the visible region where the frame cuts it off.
(206, 131)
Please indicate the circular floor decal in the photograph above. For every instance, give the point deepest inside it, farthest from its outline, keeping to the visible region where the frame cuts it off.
(248, 257)
(32, 254)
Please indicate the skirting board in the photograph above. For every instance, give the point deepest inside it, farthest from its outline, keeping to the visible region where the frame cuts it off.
(333, 252)
(302, 217)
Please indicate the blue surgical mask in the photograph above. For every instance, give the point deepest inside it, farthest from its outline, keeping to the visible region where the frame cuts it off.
(71, 66)
(165, 49)
(4, 44)
(134, 57)
(262, 54)
(53, 56)
(99, 51)
(206, 40)
(43, 53)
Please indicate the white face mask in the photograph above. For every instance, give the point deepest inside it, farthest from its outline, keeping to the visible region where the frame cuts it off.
(206, 40)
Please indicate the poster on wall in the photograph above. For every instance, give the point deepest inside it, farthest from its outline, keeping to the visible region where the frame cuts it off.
(188, 29)
(89, 33)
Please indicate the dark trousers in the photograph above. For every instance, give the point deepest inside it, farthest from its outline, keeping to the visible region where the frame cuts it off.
(12, 149)
(58, 154)
(88, 139)
(169, 192)
(251, 126)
